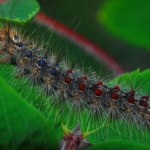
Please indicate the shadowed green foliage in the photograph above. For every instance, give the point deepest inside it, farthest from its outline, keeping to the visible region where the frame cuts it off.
(127, 19)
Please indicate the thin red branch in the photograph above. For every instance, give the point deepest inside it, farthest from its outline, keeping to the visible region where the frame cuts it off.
(81, 41)
(1, 1)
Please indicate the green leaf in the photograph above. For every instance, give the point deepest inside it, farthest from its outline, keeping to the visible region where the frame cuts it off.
(118, 145)
(127, 19)
(34, 95)
(22, 126)
(19, 10)
(112, 130)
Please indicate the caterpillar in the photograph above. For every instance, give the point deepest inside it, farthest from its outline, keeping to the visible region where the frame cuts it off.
(44, 69)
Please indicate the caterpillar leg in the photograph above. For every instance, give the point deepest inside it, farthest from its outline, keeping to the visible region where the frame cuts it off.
(21, 70)
(3, 60)
(1, 51)
(19, 75)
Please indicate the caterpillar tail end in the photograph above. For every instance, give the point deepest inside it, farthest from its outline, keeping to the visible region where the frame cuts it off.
(3, 60)
(19, 75)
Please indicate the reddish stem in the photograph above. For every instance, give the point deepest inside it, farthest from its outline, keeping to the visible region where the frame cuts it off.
(1, 1)
(81, 41)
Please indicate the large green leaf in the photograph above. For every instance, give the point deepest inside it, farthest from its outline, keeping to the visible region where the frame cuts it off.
(22, 126)
(19, 10)
(127, 19)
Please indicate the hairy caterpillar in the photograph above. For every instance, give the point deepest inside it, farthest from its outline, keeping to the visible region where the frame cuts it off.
(44, 70)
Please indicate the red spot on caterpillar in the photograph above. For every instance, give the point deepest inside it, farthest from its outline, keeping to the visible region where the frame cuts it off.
(67, 79)
(116, 88)
(145, 97)
(143, 103)
(81, 86)
(84, 77)
(131, 99)
(114, 96)
(98, 92)
(69, 71)
(99, 83)
(132, 92)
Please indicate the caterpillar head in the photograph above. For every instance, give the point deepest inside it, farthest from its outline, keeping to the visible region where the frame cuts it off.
(8, 34)
(11, 37)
